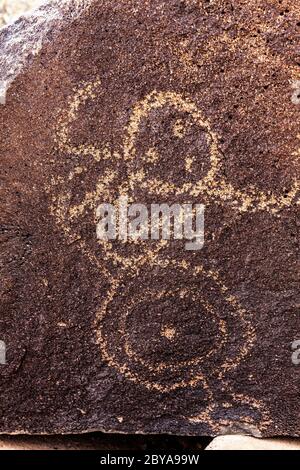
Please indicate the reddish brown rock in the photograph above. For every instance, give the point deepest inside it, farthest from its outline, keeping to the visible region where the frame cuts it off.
(164, 102)
(251, 443)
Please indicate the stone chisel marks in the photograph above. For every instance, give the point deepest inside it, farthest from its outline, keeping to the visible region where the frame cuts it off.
(154, 102)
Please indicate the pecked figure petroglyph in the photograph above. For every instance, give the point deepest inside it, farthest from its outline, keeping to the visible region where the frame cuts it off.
(130, 353)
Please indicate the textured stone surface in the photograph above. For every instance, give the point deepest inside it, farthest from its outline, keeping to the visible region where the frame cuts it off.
(11, 9)
(251, 443)
(165, 101)
(98, 441)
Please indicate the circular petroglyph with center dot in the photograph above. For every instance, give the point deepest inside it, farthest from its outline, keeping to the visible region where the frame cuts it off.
(185, 133)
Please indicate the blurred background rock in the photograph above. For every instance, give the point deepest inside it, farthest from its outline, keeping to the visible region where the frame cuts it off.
(11, 9)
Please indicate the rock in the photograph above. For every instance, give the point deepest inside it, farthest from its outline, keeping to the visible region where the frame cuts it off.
(150, 102)
(251, 443)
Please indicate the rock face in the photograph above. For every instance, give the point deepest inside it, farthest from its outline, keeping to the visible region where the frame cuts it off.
(12, 9)
(160, 102)
(251, 443)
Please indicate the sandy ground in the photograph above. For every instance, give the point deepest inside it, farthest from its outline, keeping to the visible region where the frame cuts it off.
(11, 9)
